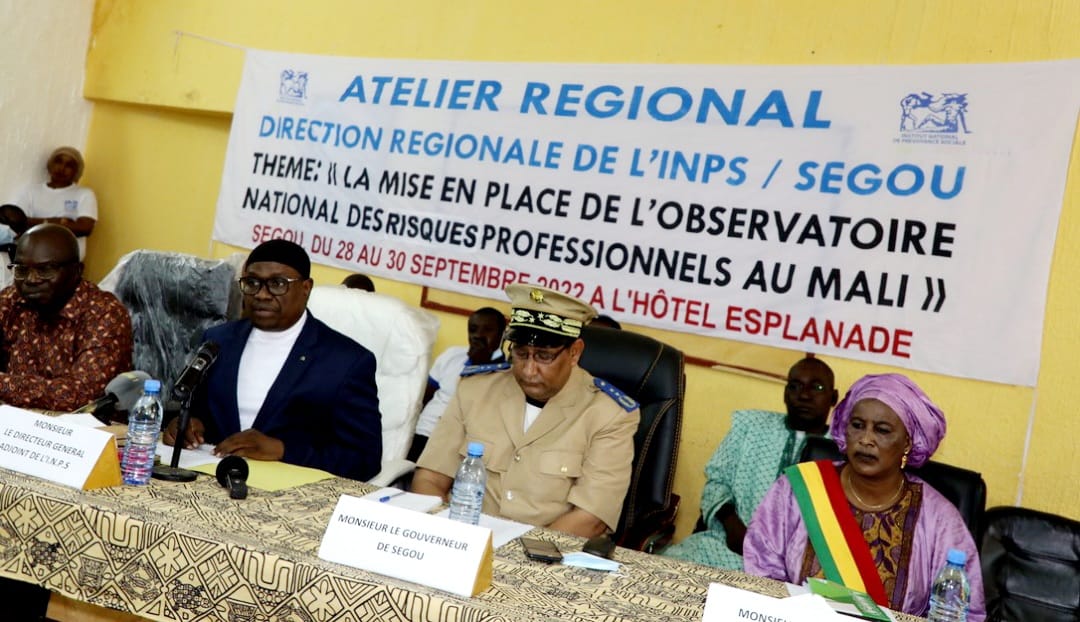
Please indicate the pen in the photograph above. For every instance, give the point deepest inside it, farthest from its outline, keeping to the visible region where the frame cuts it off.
(390, 496)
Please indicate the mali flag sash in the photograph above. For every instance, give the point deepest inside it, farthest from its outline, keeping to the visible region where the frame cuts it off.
(836, 537)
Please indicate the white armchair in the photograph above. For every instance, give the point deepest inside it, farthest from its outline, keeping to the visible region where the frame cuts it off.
(401, 337)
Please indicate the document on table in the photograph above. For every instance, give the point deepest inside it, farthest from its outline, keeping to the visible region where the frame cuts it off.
(269, 475)
(838, 598)
(402, 499)
(118, 430)
(85, 419)
(189, 458)
(502, 530)
(273, 475)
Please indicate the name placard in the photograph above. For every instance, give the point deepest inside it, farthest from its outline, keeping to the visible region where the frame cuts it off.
(409, 545)
(62, 452)
(729, 604)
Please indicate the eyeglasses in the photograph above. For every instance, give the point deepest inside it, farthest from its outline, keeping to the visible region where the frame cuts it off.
(44, 271)
(796, 387)
(276, 285)
(519, 354)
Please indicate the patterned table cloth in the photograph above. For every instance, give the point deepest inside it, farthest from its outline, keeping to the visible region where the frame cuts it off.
(187, 552)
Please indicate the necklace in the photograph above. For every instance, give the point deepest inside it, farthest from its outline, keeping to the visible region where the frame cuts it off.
(870, 507)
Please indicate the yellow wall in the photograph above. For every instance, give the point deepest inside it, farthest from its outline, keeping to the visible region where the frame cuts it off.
(161, 122)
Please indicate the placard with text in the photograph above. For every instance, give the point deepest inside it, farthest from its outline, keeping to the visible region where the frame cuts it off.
(50, 448)
(409, 545)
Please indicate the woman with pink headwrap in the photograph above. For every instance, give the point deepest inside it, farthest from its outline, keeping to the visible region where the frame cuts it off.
(902, 529)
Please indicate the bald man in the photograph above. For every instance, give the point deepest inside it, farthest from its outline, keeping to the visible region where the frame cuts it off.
(61, 338)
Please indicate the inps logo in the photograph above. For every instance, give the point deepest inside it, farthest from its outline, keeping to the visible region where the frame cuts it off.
(293, 86)
(935, 119)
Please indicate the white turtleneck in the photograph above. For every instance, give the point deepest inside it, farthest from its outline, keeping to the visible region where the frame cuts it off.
(264, 355)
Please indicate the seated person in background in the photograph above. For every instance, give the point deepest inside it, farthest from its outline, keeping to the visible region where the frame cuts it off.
(605, 321)
(359, 281)
(899, 527)
(486, 326)
(285, 386)
(756, 450)
(12, 225)
(557, 445)
(61, 338)
(61, 200)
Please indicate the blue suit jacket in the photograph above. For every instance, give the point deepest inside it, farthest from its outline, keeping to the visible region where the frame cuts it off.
(323, 406)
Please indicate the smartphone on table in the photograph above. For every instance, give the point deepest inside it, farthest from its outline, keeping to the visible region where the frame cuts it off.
(540, 550)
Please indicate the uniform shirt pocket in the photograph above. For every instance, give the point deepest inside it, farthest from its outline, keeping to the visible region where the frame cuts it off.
(561, 463)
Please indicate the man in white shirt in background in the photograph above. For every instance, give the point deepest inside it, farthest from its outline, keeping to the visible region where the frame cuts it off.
(483, 354)
(61, 200)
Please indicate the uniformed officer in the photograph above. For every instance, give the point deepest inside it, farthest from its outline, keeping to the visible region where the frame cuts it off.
(558, 443)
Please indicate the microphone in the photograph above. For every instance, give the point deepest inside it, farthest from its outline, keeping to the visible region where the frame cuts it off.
(232, 473)
(181, 392)
(195, 370)
(122, 391)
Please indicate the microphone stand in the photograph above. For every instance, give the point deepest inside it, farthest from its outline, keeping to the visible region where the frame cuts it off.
(172, 472)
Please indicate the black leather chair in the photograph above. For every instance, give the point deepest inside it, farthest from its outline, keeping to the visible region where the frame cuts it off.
(964, 488)
(172, 298)
(1030, 566)
(652, 373)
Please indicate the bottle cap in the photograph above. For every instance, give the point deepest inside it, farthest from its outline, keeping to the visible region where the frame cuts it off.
(956, 557)
(476, 449)
(152, 386)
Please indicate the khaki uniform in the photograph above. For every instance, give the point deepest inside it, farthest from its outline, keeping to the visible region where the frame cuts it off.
(577, 453)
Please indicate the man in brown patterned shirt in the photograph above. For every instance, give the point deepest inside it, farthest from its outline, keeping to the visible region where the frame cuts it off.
(61, 338)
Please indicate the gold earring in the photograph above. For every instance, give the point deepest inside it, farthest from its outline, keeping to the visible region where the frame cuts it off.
(903, 461)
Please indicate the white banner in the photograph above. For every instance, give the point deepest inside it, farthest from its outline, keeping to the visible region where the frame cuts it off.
(903, 215)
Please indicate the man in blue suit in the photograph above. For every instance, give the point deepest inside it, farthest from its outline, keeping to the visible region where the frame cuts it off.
(285, 386)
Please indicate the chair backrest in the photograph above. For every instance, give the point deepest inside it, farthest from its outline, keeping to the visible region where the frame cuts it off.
(172, 299)
(652, 373)
(1030, 565)
(964, 488)
(401, 337)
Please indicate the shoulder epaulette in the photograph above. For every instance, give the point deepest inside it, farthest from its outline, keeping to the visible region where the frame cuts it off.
(614, 393)
(486, 368)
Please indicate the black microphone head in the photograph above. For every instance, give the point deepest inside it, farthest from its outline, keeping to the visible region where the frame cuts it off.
(196, 369)
(127, 387)
(211, 349)
(205, 356)
(231, 463)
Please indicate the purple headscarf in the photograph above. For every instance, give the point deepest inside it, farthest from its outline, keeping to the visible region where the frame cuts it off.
(924, 421)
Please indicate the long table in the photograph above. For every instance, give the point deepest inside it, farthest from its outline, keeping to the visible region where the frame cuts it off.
(187, 552)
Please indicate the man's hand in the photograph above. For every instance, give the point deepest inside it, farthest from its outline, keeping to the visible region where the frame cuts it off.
(428, 482)
(193, 437)
(579, 523)
(251, 443)
(735, 530)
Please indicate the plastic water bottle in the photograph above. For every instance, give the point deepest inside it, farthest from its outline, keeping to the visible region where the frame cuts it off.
(951, 592)
(144, 424)
(467, 496)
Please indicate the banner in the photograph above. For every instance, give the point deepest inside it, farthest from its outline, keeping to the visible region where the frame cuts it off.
(903, 215)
